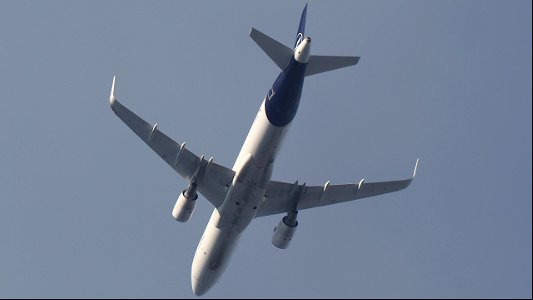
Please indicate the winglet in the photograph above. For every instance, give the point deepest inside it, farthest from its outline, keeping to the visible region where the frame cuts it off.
(416, 166)
(112, 95)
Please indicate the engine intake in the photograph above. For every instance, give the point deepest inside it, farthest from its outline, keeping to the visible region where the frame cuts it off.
(185, 204)
(285, 230)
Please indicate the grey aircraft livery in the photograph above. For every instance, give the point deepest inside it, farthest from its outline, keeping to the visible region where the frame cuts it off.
(246, 191)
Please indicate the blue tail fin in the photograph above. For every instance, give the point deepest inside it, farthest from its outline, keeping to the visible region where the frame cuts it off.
(282, 54)
(301, 29)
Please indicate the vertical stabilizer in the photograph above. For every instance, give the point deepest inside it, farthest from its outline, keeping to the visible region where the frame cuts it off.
(278, 52)
(282, 55)
(301, 29)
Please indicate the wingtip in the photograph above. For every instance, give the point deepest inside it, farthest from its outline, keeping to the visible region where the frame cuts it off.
(416, 166)
(112, 94)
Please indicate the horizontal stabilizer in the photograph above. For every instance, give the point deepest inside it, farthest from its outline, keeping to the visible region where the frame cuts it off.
(318, 63)
(278, 52)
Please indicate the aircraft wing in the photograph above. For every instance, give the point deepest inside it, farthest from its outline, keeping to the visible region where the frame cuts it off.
(216, 179)
(278, 196)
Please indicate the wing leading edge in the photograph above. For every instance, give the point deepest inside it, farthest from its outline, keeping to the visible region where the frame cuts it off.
(216, 178)
(278, 194)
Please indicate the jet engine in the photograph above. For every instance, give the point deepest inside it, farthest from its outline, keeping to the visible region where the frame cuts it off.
(184, 206)
(285, 230)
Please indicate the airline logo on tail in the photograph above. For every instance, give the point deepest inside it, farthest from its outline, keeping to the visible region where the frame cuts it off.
(299, 39)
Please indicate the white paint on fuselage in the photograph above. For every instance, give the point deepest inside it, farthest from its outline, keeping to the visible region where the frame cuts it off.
(253, 171)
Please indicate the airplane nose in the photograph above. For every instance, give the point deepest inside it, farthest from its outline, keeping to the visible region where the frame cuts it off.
(202, 278)
(197, 280)
(198, 288)
(202, 283)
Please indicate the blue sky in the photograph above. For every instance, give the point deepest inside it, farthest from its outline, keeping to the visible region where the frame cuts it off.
(85, 206)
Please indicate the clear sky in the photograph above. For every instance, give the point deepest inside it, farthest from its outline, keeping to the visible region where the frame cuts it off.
(85, 206)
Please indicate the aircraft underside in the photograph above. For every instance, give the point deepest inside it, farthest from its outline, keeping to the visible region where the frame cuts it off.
(246, 191)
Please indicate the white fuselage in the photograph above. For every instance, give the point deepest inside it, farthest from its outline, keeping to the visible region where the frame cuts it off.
(253, 170)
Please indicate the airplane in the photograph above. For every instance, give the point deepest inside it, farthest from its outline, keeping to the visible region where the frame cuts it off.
(246, 191)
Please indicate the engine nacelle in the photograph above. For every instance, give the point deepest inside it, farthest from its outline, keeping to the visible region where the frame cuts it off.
(184, 206)
(284, 232)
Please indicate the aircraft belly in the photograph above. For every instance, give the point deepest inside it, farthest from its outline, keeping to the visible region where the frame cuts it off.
(253, 171)
(262, 142)
(213, 254)
(240, 207)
